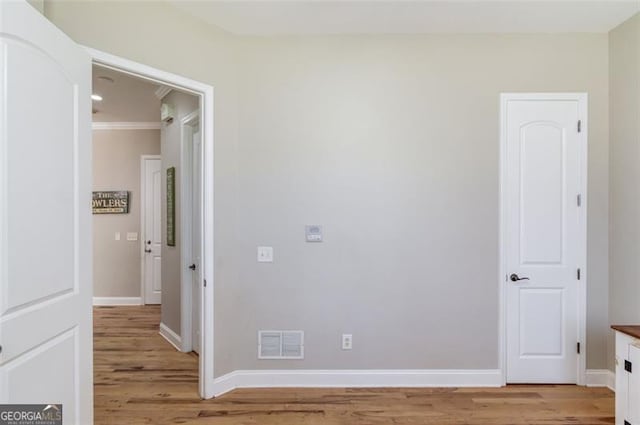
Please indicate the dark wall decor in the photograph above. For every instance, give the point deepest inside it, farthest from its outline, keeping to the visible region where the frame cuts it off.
(171, 206)
(110, 202)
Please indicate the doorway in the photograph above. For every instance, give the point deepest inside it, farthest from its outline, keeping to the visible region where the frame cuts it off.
(204, 287)
(543, 242)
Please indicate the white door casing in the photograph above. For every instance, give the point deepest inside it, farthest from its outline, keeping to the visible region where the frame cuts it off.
(207, 384)
(544, 236)
(45, 216)
(151, 187)
(196, 236)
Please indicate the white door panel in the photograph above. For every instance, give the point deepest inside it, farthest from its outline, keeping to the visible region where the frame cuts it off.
(45, 219)
(196, 238)
(633, 401)
(542, 240)
(153, 229)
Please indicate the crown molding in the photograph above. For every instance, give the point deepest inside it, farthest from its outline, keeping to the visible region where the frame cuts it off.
(126, 125)
(163, 91)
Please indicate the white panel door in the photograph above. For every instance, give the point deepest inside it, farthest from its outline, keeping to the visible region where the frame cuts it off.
(45, 216)
(542, 240)
(196, 239)
(151, 187)
(633, 400)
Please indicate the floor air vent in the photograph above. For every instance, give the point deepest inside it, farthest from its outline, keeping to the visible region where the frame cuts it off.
(275, 345)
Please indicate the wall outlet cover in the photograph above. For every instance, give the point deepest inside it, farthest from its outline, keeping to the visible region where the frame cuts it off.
(265, 254)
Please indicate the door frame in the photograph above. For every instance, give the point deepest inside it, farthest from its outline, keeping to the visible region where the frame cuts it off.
(143, 222)
(582, 99)
(205, 94)
(186, 208)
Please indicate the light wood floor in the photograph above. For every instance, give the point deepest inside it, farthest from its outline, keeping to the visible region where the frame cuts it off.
(141, 379)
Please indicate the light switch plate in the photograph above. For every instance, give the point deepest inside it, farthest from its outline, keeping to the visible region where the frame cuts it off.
(132, 236)
(117, 236)
(265, 254)
(313, 232)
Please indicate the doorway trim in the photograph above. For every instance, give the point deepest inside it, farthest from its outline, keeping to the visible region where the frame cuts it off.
(143, 222)
(205, 93)
(582, 99)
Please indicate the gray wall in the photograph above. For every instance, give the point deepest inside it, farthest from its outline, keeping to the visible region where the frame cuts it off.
(392, 144)
(184, 104)
(624, 236)
(116, 166)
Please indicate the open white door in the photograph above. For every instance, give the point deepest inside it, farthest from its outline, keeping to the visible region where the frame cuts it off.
(45, 216)
(196, 238)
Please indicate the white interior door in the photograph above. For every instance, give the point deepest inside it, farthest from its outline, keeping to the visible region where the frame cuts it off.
(151, 193)
(45, 216)
(633, 395)
(196, 238)
(543, 239)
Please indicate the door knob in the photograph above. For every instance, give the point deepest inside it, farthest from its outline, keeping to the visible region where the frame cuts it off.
(192, 267)
(147, 250)
(514, 277)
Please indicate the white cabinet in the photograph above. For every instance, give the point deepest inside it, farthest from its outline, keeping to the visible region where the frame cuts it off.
(627, 379)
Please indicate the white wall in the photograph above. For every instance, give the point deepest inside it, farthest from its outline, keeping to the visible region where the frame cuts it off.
(392, 144)
(116, 166)
(624, 57)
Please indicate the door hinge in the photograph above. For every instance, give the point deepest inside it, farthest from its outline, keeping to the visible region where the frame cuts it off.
(628, 366)
(578, 348)
(205, 282)
(627, 423)
(579, 126)
(578, 274)
(579, 199)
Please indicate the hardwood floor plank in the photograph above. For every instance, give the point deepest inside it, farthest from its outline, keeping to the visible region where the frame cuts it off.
(141, 379)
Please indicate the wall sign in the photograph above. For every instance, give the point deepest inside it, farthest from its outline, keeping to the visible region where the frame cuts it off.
(110, 202)
(171, 206)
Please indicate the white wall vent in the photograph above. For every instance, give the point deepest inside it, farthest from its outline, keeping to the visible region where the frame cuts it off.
(273, 345)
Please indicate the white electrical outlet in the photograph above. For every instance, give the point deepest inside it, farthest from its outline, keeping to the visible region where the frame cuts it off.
(347, 341)
(265, 254)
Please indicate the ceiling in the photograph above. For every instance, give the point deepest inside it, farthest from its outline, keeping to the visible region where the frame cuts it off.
(300, 17)
(124, 98)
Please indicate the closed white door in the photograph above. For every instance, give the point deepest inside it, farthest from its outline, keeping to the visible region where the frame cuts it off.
(45, 216)
(543, 238)
(151, 192)
(196, 239)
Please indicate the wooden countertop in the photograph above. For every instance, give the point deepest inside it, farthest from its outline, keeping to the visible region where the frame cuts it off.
(630, 330)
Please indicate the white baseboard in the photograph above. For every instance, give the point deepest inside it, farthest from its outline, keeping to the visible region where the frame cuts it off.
(117, 301)
(101, 125)
(172, 337)
(356, 378)
(601, 378)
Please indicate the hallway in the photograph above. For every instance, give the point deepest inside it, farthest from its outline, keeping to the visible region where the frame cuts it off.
(141, 379)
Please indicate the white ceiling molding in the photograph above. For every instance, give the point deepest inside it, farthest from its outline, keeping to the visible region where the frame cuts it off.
(313, 17)
(162, 92)
(104, 125)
